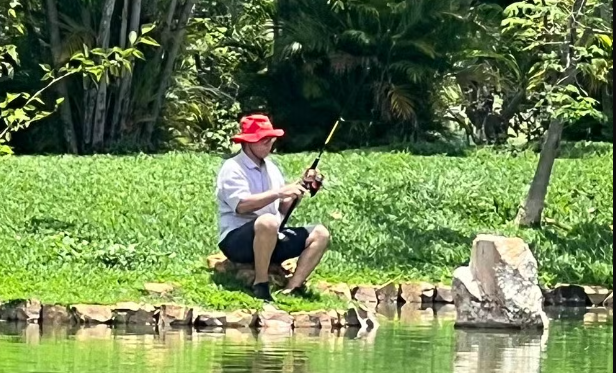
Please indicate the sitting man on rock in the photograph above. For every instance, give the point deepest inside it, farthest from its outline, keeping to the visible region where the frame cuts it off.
(253, 198)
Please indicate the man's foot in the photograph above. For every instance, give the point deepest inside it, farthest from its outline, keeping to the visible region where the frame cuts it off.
(301, 291)
(262, 291)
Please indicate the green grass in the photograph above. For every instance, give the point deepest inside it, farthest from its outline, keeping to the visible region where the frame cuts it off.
(94, 229)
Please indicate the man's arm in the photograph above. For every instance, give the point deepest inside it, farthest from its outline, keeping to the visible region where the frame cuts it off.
(236, 192)
(285, 204)
(254, 202)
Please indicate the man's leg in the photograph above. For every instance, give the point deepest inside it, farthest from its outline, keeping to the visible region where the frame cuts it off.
(316, 244)
(253, 243)
(266, 236)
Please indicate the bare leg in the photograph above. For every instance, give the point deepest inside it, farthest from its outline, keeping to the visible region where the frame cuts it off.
(316, 245)
(266, 235)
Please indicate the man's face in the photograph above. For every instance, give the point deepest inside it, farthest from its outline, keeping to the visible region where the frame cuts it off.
(263, 147)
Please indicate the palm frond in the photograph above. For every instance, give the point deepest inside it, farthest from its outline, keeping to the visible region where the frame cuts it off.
(401, 102)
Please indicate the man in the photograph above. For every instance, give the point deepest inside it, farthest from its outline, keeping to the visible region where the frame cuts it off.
(253, 197)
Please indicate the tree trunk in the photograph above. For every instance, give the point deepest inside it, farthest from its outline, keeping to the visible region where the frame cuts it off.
(166, 32)
(86, 118)
(530, 214)
(173, 53)
(120, 86)
(124, 99)
(65, 108)
(98, 135)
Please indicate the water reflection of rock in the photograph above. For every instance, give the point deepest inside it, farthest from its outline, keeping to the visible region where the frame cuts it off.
(486, 351)
(227, 350)
(416, 313)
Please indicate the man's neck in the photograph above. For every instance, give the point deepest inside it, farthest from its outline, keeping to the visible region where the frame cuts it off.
(258, 161)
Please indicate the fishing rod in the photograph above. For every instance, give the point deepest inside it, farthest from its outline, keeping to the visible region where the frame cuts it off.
(315, 185)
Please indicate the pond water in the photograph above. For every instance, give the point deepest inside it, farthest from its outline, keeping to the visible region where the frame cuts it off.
(579, 340)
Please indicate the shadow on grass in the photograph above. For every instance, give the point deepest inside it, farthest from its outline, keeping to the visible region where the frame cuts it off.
(229, 282)
(48, 224)
(573, 150)
(580, 150)
(417, 248)
(588, 247)
(420, 149)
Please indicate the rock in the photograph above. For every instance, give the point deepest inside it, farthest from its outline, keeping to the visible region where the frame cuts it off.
(443, 294)
(174, 314)
(28, 310)
(596, 315)
(314, 319)
(289, 265)
(360, 316)
(566, 294)
(215, 259)
(55, 314)
(327, 319)
(134, 313)
(499, 288)
(273, 318)
(306, 320)
(155, 288)
(340, 290)
(417, 292)
(596, 294)
(241, 319)
(278, 274)
(609, 301)
(338, 318)
(91, 313)
(388, 293)
(364, 294)
(209, 318)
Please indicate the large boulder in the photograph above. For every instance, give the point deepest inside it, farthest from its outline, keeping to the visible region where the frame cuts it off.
(499, 288)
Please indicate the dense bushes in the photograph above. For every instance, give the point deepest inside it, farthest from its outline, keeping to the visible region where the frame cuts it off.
(94, 229)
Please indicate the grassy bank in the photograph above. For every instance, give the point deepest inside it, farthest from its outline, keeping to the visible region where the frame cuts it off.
(95, 229)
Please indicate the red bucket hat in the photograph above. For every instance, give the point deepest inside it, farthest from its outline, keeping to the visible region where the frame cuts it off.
(254, 128)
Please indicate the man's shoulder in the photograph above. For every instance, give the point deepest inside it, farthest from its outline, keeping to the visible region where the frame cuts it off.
(230, 166)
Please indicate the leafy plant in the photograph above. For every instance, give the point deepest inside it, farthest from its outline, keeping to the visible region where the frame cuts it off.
(92, 64)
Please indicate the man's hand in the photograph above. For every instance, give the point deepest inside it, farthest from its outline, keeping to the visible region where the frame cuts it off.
(309, 177)
(294, 190)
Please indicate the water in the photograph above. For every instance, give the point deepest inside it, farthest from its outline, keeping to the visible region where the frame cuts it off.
(414, 341)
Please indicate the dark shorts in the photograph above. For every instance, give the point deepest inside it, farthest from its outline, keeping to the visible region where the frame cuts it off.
(238, 244)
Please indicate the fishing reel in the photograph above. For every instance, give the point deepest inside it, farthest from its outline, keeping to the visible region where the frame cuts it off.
(312, 181)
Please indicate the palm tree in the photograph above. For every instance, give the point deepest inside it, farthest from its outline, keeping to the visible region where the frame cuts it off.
(378, 61)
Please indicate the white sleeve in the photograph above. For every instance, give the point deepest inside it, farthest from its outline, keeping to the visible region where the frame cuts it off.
(233, 187)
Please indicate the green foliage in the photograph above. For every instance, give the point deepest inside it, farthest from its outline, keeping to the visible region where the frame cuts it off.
(90, 64)
(227, 46)
(378, 64)
(109, 224)
(567, 52)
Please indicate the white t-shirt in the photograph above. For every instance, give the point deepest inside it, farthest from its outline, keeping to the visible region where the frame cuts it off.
(238, 178)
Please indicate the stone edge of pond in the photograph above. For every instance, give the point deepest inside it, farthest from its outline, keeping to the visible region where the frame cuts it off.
(360, 312)
(391, 291)
(171, 314)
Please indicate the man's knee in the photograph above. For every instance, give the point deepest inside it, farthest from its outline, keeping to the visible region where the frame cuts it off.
(321, 233)
(266, 224)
